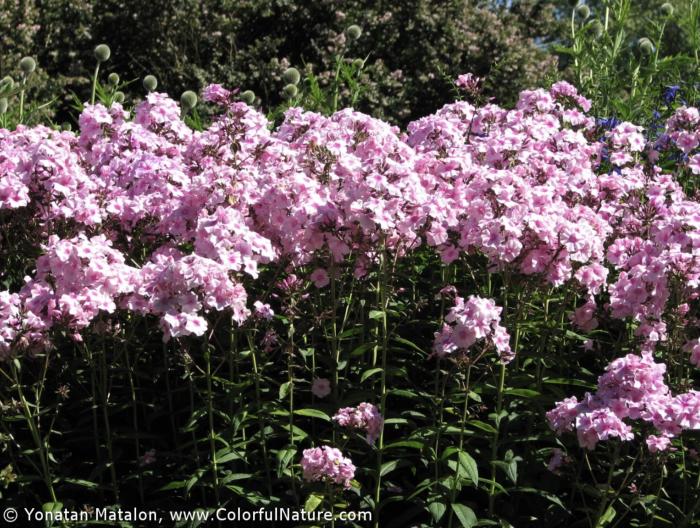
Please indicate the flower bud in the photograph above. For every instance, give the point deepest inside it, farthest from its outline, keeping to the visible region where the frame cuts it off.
(113, 79)
(102, 52)
(645, 46)
(66, 126)
(583, 11)
(119, 97)
(3, 105)
(291, 76)
(27, 65)
(6, 83)
(354, 32)
(248, 97)
(150, 83)
(596, 28)
(290, 91)
(666, 9)
(188, 100)
(358, 63)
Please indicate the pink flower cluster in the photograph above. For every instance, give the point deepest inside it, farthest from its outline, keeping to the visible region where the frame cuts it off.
(327, 463)
(631, 389)
(471, 321)
(365, 416)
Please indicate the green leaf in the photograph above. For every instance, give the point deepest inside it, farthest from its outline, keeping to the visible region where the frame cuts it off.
(465, 515)
(437, 510)
(313, 502)
(605, 519)
(284, 389)
(468, 465)
(376, 314)
(367, 373)
(388, 467)
(483, 426)
(284, 457)
(313, 413)
(523, 393)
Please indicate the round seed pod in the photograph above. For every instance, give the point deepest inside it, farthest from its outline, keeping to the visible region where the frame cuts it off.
(645, 46)
(188, 100)
(248, 97)
(290, 91)
(150, 83)
(583, 11)
(119, 97)
(291, 76)
(27, 65)
(102, 52)
(113, 79)
(3, 105)
(354, 32)
(666, 9)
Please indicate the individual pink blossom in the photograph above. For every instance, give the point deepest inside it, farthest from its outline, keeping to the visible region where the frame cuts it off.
(320, 278)
(321, 387)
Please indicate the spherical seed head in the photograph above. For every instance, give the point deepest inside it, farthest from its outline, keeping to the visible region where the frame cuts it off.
(102, 52)
(290, 90)
(188, 100)
(248, 97)
(27, 65)
(645, 46)
(596, 28)
(583, 11)
(354, 32)
(119, 97)
(666, 9)
(150, 83)
(291, 76)
(3, 105)
(113, 79)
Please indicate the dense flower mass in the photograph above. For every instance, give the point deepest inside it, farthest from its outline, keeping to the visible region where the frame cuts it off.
(531, 189)
(632, 388)
(327, 463)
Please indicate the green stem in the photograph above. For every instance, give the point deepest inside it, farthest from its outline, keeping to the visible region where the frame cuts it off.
(494, 441)
(94, 83)
(36, 435)
(383, 295)
(210, 414)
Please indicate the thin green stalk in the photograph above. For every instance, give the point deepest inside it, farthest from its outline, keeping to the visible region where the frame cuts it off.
(135, 421)
(21, 99)
(94, 83)
(210, 414)
(383, 295)
(258, 403)
(463, 425)
(104, 381)
(36, 435)
(290, 379)
(494, 440)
